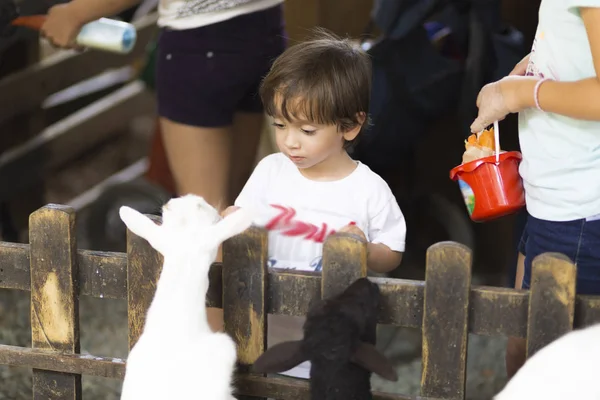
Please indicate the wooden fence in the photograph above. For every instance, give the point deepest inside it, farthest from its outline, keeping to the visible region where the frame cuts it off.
(445, 305)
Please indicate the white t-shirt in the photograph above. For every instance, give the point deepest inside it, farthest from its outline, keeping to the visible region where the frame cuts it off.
(301, 213)
(561, 155)
(188, 14)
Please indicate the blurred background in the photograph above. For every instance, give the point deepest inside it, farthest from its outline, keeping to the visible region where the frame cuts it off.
(80, 129)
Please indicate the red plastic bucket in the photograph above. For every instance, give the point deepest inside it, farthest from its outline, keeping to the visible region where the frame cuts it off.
(491, 190)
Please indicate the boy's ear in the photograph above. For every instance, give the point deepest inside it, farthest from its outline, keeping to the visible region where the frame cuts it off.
(352, 133)
(361, 117)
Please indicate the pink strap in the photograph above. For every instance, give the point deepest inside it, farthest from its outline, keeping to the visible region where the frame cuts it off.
(536, 91)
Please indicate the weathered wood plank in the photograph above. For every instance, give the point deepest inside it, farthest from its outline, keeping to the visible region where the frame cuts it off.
(289, 291)
(445, 321)
(62, 362)
(295, 389)
(244, 286)
(551, 300)
(498, 311)
(493, 310)
(64, 69)
(14, 266)
(144, 265)
(63, 141)
(344, 261)
(54, 297)
(402, 302)
(587, 311)
(101, 274)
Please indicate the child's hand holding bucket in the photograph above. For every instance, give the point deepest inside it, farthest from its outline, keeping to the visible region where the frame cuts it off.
(498, 99)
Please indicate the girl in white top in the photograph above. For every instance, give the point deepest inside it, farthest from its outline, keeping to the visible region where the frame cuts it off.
(318, 94)
(556, 91)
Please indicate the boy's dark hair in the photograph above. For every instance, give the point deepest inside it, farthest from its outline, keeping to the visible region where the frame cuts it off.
(326, 80)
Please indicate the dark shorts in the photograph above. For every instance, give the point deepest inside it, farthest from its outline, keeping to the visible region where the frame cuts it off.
(579, 240)
(204, 75)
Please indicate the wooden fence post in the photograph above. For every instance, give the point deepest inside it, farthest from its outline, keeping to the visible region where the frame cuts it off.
(54, 297)
(143, 270)
(344, 261)
(551, 300)
(445, 321)
(244, 295)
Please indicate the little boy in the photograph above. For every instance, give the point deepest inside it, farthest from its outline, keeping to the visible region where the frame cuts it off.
(317, 93)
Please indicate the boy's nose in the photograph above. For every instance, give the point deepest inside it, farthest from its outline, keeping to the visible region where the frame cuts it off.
(291, 142)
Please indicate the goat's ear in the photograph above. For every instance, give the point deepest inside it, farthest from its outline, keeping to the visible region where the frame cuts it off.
(368, 357)
(279, 358)
(141, 225)
(233, 224)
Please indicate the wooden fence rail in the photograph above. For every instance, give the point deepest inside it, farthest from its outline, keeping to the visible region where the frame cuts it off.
(445, 306)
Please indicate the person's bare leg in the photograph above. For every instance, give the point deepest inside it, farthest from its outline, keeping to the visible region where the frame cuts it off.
(520, 271)
(199, 159)
(516, 348)
(247, 129)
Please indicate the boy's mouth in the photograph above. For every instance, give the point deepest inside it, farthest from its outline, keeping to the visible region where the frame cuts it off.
(296, 158)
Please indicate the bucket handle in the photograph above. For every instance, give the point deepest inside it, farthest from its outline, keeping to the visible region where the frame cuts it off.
(497, 141)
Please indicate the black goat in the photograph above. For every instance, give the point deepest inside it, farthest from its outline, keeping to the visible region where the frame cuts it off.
(339, 341)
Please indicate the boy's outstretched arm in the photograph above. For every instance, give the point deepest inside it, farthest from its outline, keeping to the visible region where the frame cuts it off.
(576, 99)
(380, 258)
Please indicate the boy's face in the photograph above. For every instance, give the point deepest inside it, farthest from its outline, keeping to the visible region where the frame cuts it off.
(308, 144)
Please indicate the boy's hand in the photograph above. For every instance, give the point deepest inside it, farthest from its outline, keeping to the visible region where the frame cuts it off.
(62, 26)
(352, 228)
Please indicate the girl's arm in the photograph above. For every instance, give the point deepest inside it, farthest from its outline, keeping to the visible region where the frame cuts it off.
(380, 258)
(576, 99)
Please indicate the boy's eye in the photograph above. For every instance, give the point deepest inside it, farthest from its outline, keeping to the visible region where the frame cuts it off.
(278, 125)
(309, 132)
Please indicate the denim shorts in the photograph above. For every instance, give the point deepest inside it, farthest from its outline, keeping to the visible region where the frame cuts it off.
(205, 75)
(578, 239)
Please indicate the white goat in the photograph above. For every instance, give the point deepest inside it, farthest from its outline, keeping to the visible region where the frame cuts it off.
(178, 356)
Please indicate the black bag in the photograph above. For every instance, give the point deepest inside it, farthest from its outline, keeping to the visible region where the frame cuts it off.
(414, 84)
